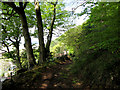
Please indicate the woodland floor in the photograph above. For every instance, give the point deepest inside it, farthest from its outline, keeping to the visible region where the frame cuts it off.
(58, 76)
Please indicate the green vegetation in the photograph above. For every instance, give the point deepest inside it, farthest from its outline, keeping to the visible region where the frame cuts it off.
(85, 56)
(16, 24)
(96, 47)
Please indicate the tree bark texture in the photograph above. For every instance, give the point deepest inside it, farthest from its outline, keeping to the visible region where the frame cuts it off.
(16, 45)
(27, 38)
(28, 46)
(18, 56)
(40, 33)
(49, 37)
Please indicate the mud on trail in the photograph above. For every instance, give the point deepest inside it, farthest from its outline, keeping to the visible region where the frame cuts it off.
(56, 76)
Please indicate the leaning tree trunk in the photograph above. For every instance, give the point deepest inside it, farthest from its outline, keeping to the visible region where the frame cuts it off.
(28, 46)
(40, 33)
(27, 38)
(49, 37)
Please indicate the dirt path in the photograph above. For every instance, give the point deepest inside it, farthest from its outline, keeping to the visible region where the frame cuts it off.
(58, 77)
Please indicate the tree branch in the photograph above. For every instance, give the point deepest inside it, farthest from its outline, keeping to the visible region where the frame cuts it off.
(49, 37)
(73, 9)
(12, 14)
(21, 4)
(3, 50)
(12, 41)
(11, 56)
(4, 28)
(6, 47)
(25, 5)
(12, 4)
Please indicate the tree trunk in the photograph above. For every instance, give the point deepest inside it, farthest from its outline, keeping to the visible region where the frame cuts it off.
(18, 56)
(49, 37)
(27, 38)
(40, 33)
(28, 46)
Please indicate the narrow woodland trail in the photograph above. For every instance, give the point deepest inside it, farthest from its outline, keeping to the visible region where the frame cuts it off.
(57, 77)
